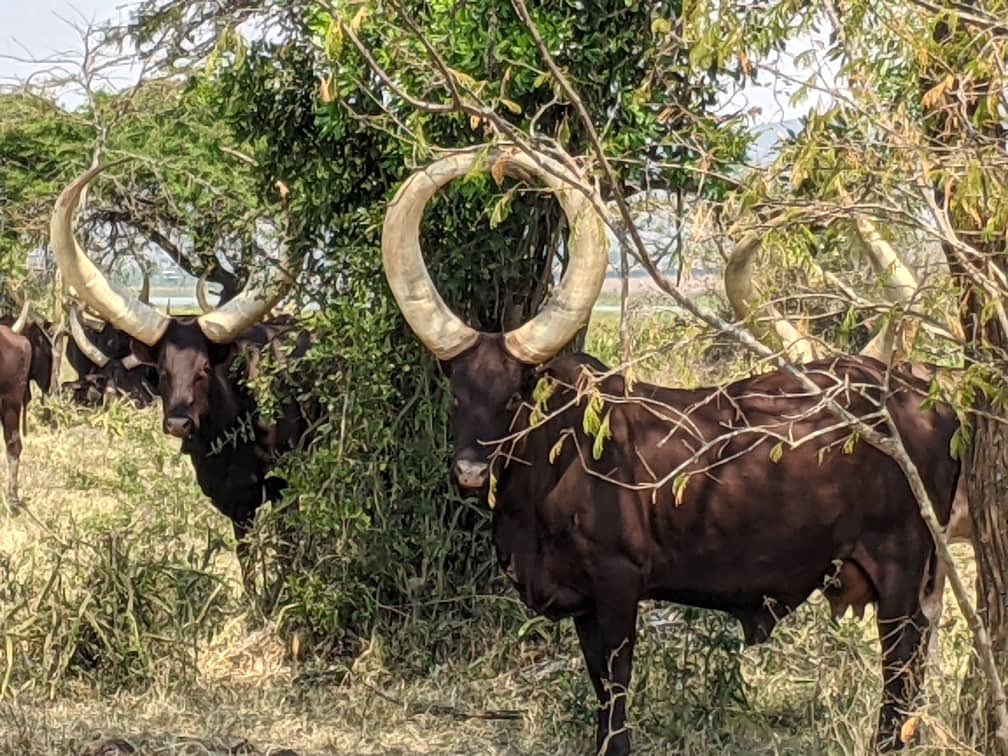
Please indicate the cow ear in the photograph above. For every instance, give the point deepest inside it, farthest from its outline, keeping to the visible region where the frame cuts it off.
(147, 355)
(222, 354)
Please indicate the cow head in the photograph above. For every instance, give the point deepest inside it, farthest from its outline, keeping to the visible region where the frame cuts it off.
(185, 360)
(487, 385)
(42, 353)
(490, 374)
(185, 351)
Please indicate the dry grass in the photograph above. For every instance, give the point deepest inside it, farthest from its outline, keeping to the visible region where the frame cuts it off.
(109, 496)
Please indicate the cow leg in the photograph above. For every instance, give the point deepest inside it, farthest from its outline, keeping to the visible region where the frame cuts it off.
(273, 489)
(607, 638)
(932, 597)
(903, 631)
(24, 412)
(242, 528)
(12, 437)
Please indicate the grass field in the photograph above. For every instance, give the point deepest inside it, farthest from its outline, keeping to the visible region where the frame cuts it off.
(121, 616)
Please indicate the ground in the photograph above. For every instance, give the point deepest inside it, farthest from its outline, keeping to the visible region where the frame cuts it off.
(121, 617)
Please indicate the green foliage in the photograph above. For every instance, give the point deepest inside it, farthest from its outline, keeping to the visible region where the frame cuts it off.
(182, 192)
(37, 141)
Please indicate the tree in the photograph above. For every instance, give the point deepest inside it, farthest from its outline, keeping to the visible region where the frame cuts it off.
(189, 189)
(962, 114)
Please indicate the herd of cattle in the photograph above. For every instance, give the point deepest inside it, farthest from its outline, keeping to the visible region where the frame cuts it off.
(744, 498)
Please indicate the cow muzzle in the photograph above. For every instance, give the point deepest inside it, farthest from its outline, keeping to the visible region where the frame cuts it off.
(471, 475)
(179, 427)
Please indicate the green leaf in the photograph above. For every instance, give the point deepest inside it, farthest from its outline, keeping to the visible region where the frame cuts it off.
(543, 390)
(679, 487)
(590, 421)
(557, 448)
(511, 105)
(961, 442)
(533, 625)
(848, 447)
(601, 435)
(777, 452)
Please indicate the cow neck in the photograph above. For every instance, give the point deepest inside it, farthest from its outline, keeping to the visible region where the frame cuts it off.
(232, 418)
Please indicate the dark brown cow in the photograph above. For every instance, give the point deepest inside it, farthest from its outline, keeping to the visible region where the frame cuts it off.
(37, 332)
(21, 360)
(203, 394)
(744, 499)
(105, 365)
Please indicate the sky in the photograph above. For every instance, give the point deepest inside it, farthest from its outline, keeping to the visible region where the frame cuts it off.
(39, 29)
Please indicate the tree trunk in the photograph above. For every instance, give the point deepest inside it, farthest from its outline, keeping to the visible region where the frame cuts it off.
(962, 128)
(59, 335)
(988, 496)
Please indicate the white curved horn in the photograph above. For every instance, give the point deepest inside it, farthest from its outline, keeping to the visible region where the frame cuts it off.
(87, 347)
(895, 339)
(122, 310)
(253, 303)
(22, 319)
(569, 306)
(201, 292)
(741, 293)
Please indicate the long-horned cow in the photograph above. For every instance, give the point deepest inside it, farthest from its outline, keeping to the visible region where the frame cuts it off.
(25, 355)
(105, 364)
(39, 334)
(744, 498)
(205, 401)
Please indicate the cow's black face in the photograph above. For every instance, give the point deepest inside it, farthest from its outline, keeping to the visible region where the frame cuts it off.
(42, 354)
(487, 386)
(185, 360)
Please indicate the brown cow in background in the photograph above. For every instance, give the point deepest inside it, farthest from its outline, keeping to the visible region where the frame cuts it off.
(16, 362)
